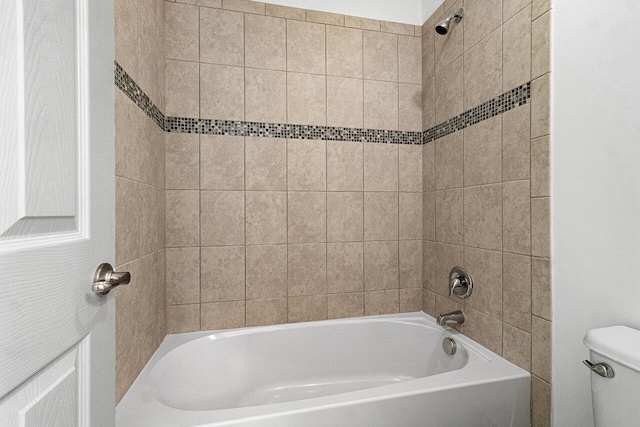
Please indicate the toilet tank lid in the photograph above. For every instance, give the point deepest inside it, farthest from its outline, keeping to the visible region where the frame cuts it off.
(618, 343)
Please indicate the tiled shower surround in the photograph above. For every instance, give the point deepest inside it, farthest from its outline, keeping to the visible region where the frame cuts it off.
(324, 166)
(486, 188)
(263, 229)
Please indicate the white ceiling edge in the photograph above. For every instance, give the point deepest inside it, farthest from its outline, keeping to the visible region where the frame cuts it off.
(405, 11)
(428, 7)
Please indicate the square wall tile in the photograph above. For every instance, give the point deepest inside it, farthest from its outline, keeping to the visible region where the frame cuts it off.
(540, 45)
(511, 7)
(127, 33)
(410, 108)
(265, 42)
(325, 17)
(345, 102)
(410, 221)
(128, 156)
(449, 85)
(516, 130)
(540, 165)
(307, 308)
(380, 216)
(483, 216)
(340, 306)
(307, 216)
(410, 262)
(345, 166)
(429, 167)
(381, 302)
(344, 52)
(285, 12)
(447, 257)
(516, 217)
(541, 348)
(410, 59)
(362, 23)
(222, 218)
(483, 71)
(516, 346)
(183, 275)
(183, 218)
(345, 267)
(516, 45)
(429, 215)
(181, 31)
(381, 167)
(449, 161)
(127, 221)
(428, 265)
(182, 161)
(266, 217)
(222, 274)
(540, 106)
(540, 227)
(540, 402)
(247, 6)
(380, 105)
(516, 292)
(449, 48)
(486, 269)
(266, 163)
(483, 152)
(221, 162)
(265, 95)
(262, 312)
(307, 268)
(127, 309)
(306, 99)
(221, 36)
(306, 47)
(481, 18)
(484, 329)
(345, 216)
(380, 56)
(183, 318)
(410, 168)
(181, 89)
(381, 268)
(266, 271)
(307, 165)
(222, 315)
(449, 224)
(221, 92)
(410, 300)
(541, 288)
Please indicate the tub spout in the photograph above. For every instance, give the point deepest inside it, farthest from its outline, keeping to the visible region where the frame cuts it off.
(454, 317)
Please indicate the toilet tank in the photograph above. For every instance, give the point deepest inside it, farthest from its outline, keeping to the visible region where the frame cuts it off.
(616, 401)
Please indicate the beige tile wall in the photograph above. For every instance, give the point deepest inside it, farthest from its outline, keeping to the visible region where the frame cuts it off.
(275, 230)
(242, 60)
(140, 194)
(486, 188)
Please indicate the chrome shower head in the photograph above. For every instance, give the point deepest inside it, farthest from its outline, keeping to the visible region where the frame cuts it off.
(443, 27)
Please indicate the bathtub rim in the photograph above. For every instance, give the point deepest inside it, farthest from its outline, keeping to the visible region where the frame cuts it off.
(140, 399)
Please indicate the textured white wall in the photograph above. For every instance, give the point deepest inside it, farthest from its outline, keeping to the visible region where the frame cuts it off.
(595, 197)
(405, 11)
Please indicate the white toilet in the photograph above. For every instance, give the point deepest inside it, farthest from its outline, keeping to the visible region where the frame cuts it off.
(615, 377)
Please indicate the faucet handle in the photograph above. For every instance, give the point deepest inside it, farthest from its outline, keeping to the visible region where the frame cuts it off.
(460, 282)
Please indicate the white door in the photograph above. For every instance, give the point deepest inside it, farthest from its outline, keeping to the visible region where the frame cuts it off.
(56, 212)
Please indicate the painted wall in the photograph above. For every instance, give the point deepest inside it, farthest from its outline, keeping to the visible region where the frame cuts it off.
(596, 187)
(407, 11)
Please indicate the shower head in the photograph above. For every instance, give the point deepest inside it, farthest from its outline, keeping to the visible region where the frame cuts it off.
(443, 27)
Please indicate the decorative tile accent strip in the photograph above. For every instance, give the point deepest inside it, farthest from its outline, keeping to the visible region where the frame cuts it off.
(496, 106)
(130, 88)
(290, 131)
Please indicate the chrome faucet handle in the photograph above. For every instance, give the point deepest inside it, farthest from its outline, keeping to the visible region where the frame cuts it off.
(460, 282)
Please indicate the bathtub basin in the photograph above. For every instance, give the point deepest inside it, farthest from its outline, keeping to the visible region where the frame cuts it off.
(373, 371)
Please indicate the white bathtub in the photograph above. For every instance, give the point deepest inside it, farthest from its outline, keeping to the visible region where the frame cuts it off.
(373, 371)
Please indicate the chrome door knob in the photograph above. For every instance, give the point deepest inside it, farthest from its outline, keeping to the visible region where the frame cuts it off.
(106, 279)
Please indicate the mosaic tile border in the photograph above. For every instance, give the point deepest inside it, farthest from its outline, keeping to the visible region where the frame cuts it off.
(507, 101)
(130, 88)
